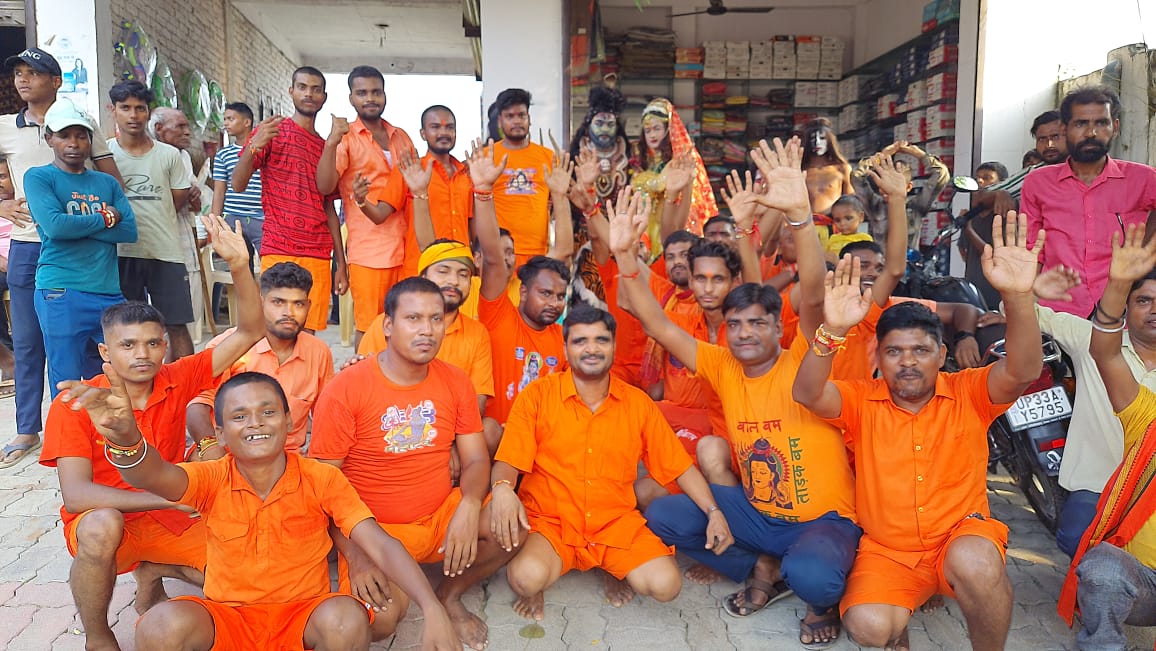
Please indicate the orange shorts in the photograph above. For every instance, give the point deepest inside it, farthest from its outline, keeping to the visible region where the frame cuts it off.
(369, 287)
(644, 547)
(322, 273)
(877, 577)
(279, 627)
(145, 539)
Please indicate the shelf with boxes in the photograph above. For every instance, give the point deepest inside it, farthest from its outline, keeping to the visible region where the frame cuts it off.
(906, 94)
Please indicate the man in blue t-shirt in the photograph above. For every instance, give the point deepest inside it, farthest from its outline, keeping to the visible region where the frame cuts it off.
(244, 207)
(80, 216)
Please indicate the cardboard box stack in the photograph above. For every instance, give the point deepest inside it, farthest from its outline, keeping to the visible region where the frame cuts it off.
(761, 66)
(827, 94)
(851, 89)
(806, 94)
(714, 59)
(688, 62)
(808, 56)
(738, 60)
(831, 58)
(783, 62)
(941, 86)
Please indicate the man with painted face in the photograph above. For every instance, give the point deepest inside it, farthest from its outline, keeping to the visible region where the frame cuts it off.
(366, 153)
(828, 173)
(1085, 202)
(916, 206)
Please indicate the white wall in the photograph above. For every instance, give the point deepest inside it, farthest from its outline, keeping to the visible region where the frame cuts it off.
(522, 46)
(1028, 45)
(883, 25)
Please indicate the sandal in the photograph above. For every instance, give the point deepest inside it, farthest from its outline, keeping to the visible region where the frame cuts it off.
(24, 448)
(776, 592)
(829, 619)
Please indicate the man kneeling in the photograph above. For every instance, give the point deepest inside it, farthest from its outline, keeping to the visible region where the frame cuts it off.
(578, 437)
(267, 515)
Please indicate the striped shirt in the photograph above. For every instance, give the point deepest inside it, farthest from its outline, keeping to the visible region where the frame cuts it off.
(238, 204)
(1014, 182)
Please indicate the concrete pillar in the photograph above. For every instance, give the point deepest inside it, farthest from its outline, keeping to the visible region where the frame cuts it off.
(522, 47)
(81, 30)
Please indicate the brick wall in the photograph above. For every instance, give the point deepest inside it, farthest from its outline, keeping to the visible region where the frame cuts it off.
(215, 38)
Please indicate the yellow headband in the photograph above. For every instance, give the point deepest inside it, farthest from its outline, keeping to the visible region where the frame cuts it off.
(442, 251)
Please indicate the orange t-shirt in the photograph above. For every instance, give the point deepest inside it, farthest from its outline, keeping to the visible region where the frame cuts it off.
(377, 246)
(580, 466)
(302, 376)
(451, 206)
(522, 198)
(69, 433)
(395, 440)
(469, 307)
(630, 338)
(858, 361)
(272, 550)
(918, 475)
(521, 354)
(788, 319)
(466, 346)
(679, 385)
(672, 299)
(794, 466)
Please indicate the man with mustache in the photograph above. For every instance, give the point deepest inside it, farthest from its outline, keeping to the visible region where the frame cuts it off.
(450, 266)
(301, 362)
(919, 439)
(434, 193)
(110, 527)
(301, 225)
(390, 423)
(366, 154)
(1084, 203)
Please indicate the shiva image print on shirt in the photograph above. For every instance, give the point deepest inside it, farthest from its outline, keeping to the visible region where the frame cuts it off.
(521, 181)
(409, 428)
(766, 478)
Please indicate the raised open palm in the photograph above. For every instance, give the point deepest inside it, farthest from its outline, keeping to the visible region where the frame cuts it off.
(1008, 264)
(484, 170)
(416, 177)
(1132, 259)
(628, 219)
(1056, 283)
(845, 303)
(782, 170)
(742, 199)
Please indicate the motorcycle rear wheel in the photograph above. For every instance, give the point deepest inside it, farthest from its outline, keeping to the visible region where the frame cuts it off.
(1042, 491)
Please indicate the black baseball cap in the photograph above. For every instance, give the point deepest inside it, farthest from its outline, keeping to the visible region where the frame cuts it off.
(36, 58)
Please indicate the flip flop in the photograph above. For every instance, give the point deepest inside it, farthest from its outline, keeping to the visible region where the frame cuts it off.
(7, 388)
(25, 448)
(776, 592)
(829, 619)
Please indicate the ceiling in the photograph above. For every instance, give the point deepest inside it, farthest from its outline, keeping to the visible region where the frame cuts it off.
(423, 37)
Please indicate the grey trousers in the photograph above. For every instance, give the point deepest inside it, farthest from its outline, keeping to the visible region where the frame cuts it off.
(1114, 589)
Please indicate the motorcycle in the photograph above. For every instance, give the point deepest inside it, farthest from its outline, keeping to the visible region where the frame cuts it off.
(1028, 439)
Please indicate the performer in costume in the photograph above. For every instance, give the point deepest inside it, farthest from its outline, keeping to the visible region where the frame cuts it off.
(664, 136)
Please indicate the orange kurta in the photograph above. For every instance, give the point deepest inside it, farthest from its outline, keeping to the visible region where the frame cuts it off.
(521, 354)
(630, 338)
(451, 206)
(794, 466)
(918, 475)
(685, 389)
(580, 466)
(395, 440)
(466, 346)
(522, 198)
(377, 246)
(303, 375)
(273, 550)
(69, 433)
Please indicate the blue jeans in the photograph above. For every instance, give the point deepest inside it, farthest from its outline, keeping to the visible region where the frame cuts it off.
(1075, 517)
(1115, 589)
(27, 340)
(70, 320)
(816, 556)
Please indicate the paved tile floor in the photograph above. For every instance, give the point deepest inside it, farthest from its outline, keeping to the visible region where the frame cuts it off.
(37, 612)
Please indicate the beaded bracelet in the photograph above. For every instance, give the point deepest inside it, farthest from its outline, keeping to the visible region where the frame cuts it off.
(134, 464)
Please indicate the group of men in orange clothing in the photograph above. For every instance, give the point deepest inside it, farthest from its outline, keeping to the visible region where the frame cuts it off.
(514, 438)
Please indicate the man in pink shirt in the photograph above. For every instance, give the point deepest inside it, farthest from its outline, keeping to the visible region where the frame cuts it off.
(1083, 204)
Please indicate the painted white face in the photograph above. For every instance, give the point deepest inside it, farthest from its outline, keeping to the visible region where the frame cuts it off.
(819, 143)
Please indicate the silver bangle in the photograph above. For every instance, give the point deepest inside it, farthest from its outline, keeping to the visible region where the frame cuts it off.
(797, 224)
(1097, 326)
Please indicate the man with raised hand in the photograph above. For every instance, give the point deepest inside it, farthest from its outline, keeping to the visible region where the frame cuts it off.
(267, 513)
(919, 440)
(792, 512)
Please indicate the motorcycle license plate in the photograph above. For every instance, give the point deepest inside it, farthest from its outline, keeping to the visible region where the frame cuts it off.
(1039, 408)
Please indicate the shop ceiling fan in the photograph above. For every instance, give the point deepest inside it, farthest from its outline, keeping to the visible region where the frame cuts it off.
(717, 8)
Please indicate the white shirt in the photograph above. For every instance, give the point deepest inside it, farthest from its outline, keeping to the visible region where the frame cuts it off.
(1095, 445)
